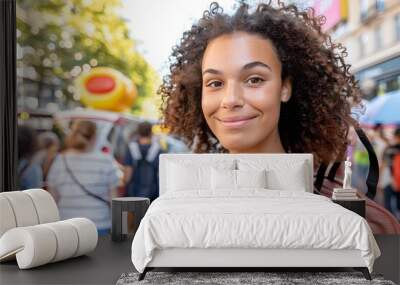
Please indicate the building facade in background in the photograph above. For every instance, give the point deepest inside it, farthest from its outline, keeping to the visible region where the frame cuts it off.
(370, 30)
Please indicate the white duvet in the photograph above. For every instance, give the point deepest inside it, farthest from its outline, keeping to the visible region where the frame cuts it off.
(252, 218)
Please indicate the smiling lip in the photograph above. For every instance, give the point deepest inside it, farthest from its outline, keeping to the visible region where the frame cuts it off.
(234, 122)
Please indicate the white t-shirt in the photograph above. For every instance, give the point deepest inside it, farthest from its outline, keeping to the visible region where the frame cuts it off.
(97, 172)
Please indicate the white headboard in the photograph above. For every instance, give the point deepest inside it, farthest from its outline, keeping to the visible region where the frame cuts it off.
(212, 158)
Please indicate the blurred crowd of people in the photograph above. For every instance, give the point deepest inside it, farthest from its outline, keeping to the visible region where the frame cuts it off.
(83, 180)
(386, 143)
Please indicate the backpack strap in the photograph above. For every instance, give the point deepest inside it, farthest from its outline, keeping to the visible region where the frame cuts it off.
(135, 150)
(72, 175)
(320, 177)
(151, 153)
(373, 173)
(333, 170)
(319, 181)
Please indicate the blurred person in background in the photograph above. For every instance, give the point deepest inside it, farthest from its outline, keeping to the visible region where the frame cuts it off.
(361, 160)
(49, 145)
(391, 159)
(141, 162)
(379, 141)
(361, 166)
(29, 172)
(83, 181)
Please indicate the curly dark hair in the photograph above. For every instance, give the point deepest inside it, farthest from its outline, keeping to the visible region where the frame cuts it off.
(317, 117)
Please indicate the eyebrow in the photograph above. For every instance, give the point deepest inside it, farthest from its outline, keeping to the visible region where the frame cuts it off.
(246, 66)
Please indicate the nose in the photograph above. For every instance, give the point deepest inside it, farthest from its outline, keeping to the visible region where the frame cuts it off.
(232, 96)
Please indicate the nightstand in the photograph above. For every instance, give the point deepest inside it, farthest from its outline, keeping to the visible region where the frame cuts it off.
(356, 205)
(121, 209)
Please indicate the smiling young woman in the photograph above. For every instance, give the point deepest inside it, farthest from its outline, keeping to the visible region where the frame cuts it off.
(242, 92)
(265, 80)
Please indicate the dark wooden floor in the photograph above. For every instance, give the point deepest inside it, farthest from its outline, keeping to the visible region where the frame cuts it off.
(389, 262)
(106, 264)
(102, 266)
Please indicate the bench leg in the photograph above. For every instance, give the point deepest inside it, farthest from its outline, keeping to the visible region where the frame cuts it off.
(364, 271)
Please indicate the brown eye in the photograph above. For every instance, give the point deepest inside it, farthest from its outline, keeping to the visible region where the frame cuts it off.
(255, 80)
(214, 84)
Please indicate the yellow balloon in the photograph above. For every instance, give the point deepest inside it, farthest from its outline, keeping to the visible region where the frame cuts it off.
(107, 89)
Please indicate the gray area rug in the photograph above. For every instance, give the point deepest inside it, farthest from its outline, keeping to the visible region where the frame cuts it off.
(273, 278)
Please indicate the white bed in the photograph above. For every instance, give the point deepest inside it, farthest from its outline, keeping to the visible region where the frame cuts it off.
(201, 220)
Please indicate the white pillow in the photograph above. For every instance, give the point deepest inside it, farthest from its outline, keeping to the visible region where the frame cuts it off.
(183, 177)
(280, 174)
(251, 178)
(188, 176)
(227, 179)
(223, 179)
(293, 179)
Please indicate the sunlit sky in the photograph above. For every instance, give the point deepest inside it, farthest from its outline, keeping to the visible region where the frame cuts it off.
(158, 25)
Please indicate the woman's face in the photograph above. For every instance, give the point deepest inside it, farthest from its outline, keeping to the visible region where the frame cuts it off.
(242, 91)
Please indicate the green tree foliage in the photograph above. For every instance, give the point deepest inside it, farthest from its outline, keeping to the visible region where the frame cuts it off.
(59, 39)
